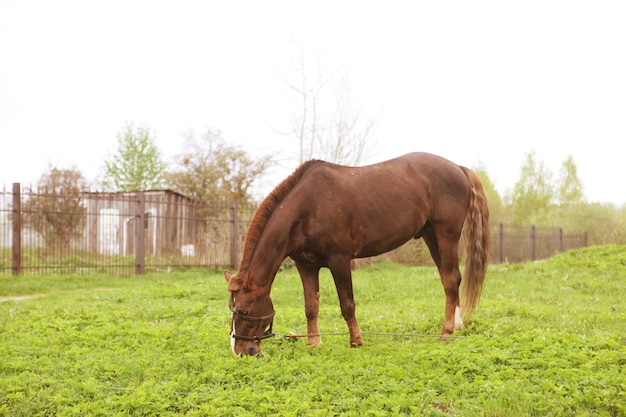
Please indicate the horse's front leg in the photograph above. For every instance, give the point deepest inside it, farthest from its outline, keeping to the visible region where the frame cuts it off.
(311, 285)
(342, 276)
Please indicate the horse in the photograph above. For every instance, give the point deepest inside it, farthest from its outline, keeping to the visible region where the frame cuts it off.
(325, 215)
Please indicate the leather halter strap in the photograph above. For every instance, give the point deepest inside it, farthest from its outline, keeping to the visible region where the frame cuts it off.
(266, 335)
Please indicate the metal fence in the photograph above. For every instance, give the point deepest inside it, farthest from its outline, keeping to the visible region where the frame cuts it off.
(509, 244)
(515, 243)
(133, 233)
(120, 233)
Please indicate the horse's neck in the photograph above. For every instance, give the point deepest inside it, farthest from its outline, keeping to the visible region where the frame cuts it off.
(268, 255)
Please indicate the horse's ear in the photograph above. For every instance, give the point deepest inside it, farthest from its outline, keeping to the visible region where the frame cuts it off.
(234, 282)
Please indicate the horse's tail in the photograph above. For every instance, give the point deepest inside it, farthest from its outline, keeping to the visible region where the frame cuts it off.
(477, 241)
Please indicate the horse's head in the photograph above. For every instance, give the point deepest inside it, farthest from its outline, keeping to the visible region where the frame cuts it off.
(252, 316)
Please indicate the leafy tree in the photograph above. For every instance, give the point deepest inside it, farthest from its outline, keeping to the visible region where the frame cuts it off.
(496, 207)
(621, 225)
(56, 211)
(569, 187)
(209, 170)
(603, 223)
(533, 192)
(136, 164)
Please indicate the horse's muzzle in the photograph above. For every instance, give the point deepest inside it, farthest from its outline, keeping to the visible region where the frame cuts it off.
(252, 345)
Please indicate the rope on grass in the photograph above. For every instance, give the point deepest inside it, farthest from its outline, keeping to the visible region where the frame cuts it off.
(291, 336)
(181, 393)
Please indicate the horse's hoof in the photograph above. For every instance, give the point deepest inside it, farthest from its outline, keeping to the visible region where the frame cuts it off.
(314, 342)
(356, 344)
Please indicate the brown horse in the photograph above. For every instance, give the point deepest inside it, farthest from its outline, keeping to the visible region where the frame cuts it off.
(325, 215)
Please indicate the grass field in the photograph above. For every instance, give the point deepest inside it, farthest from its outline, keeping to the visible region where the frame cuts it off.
(547, 339)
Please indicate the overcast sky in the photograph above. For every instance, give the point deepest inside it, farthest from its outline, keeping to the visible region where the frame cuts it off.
(476, 82)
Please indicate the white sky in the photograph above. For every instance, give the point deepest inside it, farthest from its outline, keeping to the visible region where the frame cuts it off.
(474, 81)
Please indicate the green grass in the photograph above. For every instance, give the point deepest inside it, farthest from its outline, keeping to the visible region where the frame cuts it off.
(547, 339)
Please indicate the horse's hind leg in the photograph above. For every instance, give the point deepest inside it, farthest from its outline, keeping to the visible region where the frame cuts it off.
(311, 285)
(342, 276)
(444, 252)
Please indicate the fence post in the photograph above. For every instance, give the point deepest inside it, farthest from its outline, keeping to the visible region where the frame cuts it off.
(533, 237)
(140, 241)
(501, 243)
(560, 240)
(234, 235)
(17, 229)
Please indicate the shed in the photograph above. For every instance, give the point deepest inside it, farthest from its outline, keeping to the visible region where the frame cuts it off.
(170, 222)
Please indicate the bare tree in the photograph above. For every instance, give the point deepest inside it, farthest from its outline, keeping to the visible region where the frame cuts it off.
(338, 132)
(307, 92)
(347, 137)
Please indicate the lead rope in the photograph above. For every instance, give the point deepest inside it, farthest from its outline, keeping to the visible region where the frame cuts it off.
(293, 336)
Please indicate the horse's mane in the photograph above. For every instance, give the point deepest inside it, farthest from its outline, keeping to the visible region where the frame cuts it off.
(265, 210)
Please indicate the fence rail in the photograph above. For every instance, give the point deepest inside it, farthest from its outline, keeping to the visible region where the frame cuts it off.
(132, 233)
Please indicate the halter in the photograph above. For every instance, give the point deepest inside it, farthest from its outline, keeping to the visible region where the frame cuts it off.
(256, 339)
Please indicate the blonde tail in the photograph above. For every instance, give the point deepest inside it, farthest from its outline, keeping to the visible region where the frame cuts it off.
(477, 242)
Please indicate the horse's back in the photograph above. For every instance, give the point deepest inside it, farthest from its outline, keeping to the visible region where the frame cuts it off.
(378, 207)
(415, 179)
(429, 179)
